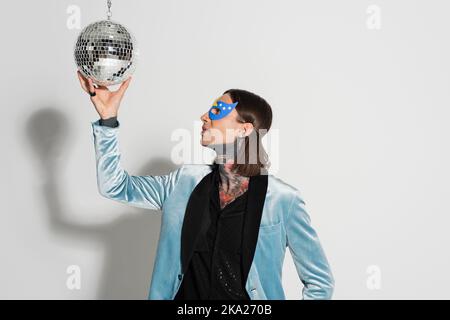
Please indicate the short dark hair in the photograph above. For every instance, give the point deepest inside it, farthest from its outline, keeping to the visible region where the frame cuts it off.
(254, 109)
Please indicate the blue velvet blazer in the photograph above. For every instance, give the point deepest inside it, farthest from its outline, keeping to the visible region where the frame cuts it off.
(277, 220)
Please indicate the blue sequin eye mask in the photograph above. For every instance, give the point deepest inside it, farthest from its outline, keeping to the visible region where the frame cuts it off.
(220, 109)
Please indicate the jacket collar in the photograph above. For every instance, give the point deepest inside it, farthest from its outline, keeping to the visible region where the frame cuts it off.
(198, 207)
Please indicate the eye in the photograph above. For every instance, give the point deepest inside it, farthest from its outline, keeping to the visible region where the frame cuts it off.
(215, 110)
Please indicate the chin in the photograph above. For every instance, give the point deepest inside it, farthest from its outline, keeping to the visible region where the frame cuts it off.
(205, 142)
(206, 139)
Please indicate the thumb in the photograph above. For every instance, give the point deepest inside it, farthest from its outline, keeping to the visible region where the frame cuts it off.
(123, 87)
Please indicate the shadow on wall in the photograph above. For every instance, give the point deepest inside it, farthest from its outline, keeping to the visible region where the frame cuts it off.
(128, 241)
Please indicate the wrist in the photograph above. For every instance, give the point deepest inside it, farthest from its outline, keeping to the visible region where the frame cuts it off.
(109, 122)
(108, 116)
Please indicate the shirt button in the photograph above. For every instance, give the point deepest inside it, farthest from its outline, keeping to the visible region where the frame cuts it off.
(179, 277)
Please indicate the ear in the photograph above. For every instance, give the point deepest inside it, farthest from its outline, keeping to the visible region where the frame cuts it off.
(248, 127)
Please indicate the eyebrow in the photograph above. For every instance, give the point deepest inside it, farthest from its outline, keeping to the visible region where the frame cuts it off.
(223, 101)
(216, 102)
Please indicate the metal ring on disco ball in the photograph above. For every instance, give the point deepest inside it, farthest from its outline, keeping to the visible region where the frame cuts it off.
(106, 52)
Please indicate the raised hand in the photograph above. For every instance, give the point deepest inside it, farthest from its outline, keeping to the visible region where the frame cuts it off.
(106, 102)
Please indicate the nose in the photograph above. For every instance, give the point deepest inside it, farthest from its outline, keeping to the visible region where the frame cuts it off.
(205, 117)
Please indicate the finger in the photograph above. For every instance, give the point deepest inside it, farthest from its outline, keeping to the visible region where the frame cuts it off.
(91, 85)
(82, 81)
(92, 90)
(81, 75)
(123, 87)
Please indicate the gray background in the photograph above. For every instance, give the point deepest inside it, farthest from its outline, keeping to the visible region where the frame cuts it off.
(362, 117)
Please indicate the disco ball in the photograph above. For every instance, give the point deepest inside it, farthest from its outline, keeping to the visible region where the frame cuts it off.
(106, 52)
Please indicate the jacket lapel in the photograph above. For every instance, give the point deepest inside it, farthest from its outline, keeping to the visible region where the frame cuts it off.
(197, 207)
(255, 202)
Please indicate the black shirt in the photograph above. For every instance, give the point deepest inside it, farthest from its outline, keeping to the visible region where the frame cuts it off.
(214, 271)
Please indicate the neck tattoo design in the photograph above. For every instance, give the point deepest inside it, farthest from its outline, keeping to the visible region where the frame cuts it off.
(231, 185)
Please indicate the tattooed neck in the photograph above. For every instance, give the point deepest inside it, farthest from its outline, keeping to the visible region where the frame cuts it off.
(231, 185)
(230, 181)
